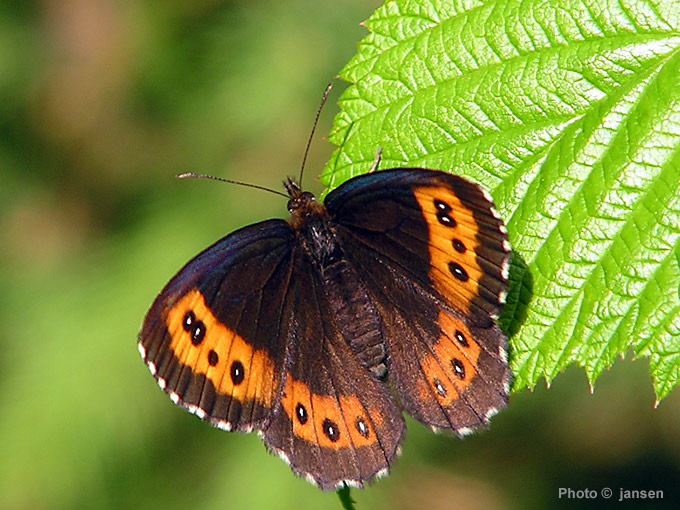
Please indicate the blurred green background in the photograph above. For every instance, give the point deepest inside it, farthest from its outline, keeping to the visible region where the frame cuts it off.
(102, 102)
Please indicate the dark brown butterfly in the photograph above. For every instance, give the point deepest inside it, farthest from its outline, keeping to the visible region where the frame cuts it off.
(298, 329)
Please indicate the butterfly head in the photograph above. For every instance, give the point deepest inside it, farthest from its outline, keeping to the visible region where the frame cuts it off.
(302, 205)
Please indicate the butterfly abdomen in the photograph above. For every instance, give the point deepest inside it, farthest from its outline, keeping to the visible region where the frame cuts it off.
(356, 316)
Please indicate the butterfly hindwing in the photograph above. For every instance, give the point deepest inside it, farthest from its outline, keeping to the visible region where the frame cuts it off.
(434, 256)
(336, 424)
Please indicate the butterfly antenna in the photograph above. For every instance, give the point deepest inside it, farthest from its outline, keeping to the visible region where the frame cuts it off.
(311, 135)
(230, 181)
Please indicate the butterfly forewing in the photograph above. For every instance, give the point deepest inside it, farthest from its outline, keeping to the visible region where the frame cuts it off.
(439, 228)
(213, 339)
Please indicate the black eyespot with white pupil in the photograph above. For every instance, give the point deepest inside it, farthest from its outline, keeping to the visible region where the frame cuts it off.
(237, 373)
(458, 272)
(189, 320)
(194, 327)
(198, 333)
(301, 414)
(361, 426)
(461, 339)
(330, 428)
(439, 387)
(444, 213)
(458, 368)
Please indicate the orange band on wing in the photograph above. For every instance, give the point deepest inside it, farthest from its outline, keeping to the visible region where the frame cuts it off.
(451, 366)
(327, 421)
(452, 231)
(208, 347)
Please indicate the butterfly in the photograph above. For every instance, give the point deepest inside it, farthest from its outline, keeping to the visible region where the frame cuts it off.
(319, 331)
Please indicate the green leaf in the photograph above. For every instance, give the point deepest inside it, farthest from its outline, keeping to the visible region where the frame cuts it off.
(568, 111)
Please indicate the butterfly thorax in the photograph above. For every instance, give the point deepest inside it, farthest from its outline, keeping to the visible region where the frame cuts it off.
(311, 222)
